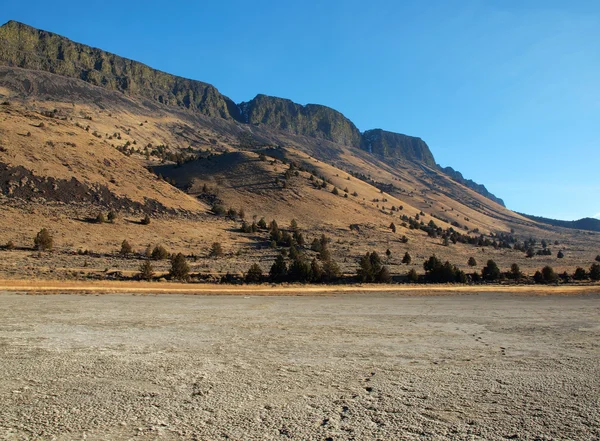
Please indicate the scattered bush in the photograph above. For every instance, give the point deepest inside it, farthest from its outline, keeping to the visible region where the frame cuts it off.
(43, 240)
(100, 219)
(407, 259)
(412, 276)
(490, 271)
(598, 258)
(254, 274)
(560, 255)
(515, 272)
(10, 245)
(126, 248)
(595, 272)
(159, 253)
(371, 269)
(548, 275)
(472, 261)
(216, 250)
(146, 271)
(438, 272)
(112, 216)
(179, 268)
(579, 274)
(145, 220)
(278, 270)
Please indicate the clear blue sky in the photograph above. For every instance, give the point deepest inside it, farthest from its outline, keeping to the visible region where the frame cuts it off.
(507, 92)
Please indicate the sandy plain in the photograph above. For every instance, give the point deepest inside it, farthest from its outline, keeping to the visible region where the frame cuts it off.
(353, 366)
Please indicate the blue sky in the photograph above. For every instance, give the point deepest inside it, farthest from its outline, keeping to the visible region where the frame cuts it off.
(507, 92)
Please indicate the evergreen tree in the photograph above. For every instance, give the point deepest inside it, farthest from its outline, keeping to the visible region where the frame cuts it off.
(407, 259)
(316, 271)
(472, 261)
(393, 227)
(254, 274)
(560, 255)
(579, 274)
(145, 220)
(515, 272)
(595, 272)
(491, 271)
(216, 250)
(112, 216)
(331, 270)
(125, 248)
(262, 224)
(159, 253)
(278, 270)
(548, 275)
(100, 219)
(179, 267)
(43, 240)
(146, 271)
(412, 276)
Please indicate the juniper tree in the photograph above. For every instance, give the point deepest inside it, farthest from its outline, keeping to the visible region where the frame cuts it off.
(126, 248)
(43, 240)
(146, 271)
(179, 267)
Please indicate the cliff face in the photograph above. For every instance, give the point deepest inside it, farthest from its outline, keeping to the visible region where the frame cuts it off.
(479, 188)
(30, 48)
(395, 145)
(310, 120)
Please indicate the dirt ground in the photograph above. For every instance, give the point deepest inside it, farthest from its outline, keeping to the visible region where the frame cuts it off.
(339, 367)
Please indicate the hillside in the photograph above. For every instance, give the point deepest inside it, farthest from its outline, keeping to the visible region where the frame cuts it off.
(71, 149)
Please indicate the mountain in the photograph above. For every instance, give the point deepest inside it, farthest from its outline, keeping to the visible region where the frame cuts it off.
(81, 138)
(586, 223)
(29, 48)
(479, 188)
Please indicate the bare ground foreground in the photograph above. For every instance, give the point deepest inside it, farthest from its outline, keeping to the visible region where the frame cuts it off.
(353, 366)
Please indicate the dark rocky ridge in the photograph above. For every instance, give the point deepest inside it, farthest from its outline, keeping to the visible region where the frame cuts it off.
(26, 47)
(311, 120)
(395, 145)
(479, 188)
(29, 48)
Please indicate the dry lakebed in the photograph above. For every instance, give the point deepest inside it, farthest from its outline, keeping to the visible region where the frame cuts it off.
(476, 366)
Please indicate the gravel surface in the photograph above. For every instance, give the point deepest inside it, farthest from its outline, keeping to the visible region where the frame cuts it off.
(352, 367)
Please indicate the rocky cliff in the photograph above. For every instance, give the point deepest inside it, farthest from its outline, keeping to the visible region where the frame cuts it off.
(310, 120)
(397, 146)
(30, 48)
(479, 188)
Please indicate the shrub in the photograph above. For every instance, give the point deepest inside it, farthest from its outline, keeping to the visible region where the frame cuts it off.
(560, 255)
(159, 253)
(43, 240)
(406, 259)
(393, 227)
(145, 220)
(490, 271)
(278, 270)
(515, 272)
(146, 271)
(254, 274)
(179, 268)
(112, 216)
(100, 219)
(404, 239)
(331, 270)
(371, 269)
(10, 245)
(262, 224)
(595, 272)
(598, 258)
(538, 277)
(126, 248)
(412, 276)
(216, 250)
(218, 209)
(548, 275)
(438, 272)
(472, 261)
(530, 252)
(579, 274)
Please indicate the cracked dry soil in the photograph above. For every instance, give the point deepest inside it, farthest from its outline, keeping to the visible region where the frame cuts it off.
(351, 367)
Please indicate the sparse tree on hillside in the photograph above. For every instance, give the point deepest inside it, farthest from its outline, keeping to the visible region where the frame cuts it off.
(100, 219)
(126, 248)
(145, 220)
(595, 272)
(216, 250)
(371, 269)
(262, 224)
(407, 259)
(548, 275)
(294, 225)
(254, 274)
(160, 253)
(560, 255)
(279, 269)
(43, 240)
(472, 261)
(393, 227)
(515, 272)
(112, 216)
(491, 271)
(146, 271)
(412, 276)
(179, 267)
(579, 274)
(598, 258)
